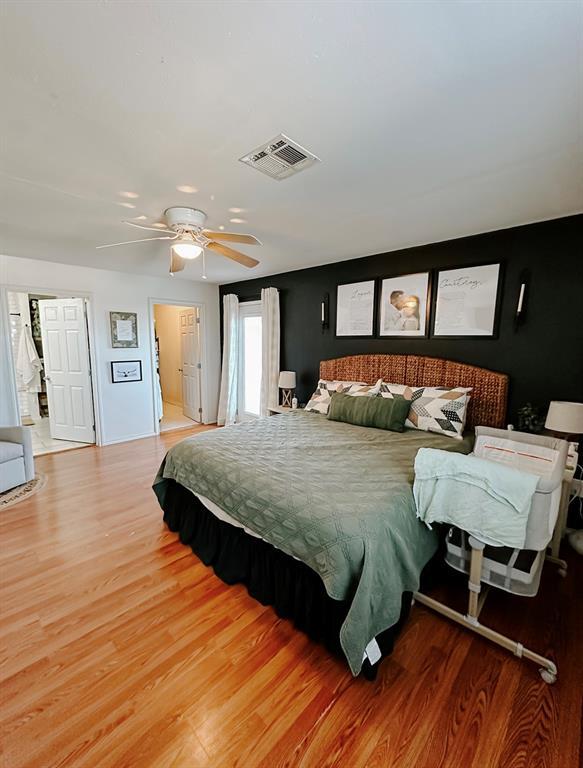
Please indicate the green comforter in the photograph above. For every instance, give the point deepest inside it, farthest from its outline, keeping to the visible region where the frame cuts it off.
(336, 496)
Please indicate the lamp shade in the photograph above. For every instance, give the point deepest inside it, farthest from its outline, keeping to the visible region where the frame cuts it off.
(287, 379)
(565, 417)
(187, 250)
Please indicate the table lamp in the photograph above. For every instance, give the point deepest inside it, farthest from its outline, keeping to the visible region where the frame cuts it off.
(565, 418)
(287, 383)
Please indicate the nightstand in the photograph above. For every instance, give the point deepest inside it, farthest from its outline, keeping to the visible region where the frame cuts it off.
(280, 409)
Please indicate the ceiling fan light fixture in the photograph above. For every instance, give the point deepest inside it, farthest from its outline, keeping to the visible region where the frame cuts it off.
(187, 250)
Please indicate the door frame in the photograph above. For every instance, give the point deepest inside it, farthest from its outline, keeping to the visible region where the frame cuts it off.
(201, 306)
(58, 293)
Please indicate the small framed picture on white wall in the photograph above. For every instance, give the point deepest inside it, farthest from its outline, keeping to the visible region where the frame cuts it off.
(126, 370)
(124, 329)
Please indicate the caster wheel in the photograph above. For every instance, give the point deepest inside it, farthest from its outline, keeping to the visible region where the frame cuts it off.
(548, 676)
(562, 572)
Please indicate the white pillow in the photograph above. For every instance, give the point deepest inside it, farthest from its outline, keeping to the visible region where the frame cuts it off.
(433, 409)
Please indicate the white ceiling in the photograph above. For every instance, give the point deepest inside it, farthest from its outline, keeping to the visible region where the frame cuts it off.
(432, 120)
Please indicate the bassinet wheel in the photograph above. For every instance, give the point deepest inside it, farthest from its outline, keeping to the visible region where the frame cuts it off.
(548, 676)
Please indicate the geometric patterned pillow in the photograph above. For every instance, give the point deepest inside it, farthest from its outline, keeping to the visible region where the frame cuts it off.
(433, 409)
(320, 400)
(367, 390)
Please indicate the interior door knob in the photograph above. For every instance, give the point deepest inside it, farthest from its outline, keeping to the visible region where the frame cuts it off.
(47, 378)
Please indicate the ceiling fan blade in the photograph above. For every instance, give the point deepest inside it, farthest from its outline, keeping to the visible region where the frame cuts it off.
(233, 237)
(230, 253)
(129, 242)
(176, 263)
(150, 229)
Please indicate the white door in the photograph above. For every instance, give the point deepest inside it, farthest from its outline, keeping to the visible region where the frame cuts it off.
(67, 372)
(190, 345)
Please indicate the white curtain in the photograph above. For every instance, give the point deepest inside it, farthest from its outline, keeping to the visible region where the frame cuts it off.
(269, 348)
(230, 371)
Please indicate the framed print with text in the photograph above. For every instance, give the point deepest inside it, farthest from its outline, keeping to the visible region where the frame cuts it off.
(355, 307)
(124, 329)
(467, 301)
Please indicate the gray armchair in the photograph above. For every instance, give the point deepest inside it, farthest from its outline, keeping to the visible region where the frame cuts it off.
(16, 461)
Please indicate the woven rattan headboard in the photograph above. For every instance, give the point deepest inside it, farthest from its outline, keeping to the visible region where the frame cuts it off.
(489, 394)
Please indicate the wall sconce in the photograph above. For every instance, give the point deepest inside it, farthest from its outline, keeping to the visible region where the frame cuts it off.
(520, 314)
(325, 309)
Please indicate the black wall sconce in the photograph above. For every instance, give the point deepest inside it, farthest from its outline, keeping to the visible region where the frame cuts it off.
(325, 312)
(522, 298)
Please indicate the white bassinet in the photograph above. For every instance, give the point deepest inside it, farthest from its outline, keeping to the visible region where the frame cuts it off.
(517, 570)
(514, 570)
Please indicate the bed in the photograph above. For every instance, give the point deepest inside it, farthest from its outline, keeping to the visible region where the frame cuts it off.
(317, 517)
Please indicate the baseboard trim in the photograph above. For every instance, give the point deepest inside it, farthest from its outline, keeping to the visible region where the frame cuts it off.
(128, 439)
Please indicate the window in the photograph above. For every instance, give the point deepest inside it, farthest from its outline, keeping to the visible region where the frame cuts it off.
(249, 360)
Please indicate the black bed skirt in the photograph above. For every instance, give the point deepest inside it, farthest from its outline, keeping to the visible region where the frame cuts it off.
(295, 591)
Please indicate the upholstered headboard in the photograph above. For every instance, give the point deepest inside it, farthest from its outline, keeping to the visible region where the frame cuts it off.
(489, 394)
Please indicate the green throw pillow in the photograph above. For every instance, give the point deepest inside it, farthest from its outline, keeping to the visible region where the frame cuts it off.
(378, 412)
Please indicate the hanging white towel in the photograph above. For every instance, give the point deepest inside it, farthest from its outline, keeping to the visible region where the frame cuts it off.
(28, 363)
(159, 401)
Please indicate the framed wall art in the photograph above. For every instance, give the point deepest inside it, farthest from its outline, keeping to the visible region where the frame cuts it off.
(467, 301)
(355, 306)
(126, 370)
(124, 329)
(404, 305)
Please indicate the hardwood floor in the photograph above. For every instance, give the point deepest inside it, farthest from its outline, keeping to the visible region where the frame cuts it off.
(119, 648)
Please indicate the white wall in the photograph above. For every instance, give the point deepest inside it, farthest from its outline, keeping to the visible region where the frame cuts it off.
(170, 342)
(126, 410)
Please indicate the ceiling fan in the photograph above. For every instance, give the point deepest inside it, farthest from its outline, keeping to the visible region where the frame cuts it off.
(185, 228)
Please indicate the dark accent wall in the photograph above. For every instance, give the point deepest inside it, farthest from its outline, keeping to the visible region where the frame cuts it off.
(543, 357)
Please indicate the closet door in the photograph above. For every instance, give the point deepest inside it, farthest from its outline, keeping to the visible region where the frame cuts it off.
(190, 341)
(67, 371)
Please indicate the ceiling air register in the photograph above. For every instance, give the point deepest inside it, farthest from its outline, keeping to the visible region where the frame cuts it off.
(280, 158)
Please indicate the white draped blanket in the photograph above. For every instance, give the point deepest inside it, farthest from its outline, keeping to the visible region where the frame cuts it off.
(484, 498)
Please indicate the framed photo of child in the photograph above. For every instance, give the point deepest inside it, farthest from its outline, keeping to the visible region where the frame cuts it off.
(404, 305)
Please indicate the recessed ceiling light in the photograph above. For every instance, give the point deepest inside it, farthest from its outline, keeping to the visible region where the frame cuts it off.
(221, 227)
(238, 221)
(236, 210)
(140, 218)
(187, 188)
(129, 195)
(127, 205)
(212, 197)
(159, 224)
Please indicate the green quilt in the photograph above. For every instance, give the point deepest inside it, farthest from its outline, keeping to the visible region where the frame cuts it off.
(336, 496)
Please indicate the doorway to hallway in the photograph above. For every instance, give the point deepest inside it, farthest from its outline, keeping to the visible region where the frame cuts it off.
(178, 383)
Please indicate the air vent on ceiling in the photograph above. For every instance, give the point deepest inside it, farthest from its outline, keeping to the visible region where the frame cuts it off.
(280, 158)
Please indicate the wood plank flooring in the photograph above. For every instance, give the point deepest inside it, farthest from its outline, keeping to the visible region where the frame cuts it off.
(119, 648)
